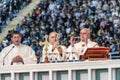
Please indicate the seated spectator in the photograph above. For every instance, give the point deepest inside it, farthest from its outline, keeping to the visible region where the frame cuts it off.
(114, 47)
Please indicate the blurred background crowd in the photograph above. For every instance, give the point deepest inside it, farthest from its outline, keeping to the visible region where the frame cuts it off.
(9, 10)
(66, 17)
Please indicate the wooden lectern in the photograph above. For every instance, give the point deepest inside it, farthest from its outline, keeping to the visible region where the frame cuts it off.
(100, 53)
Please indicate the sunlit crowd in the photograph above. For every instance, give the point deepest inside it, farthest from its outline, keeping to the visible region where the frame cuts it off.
(68, 17)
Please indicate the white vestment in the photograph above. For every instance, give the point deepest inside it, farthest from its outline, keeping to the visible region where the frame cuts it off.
(54, 54)
(79, 49)
(24, 51)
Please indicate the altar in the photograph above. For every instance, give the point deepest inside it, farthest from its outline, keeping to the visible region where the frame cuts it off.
(79, 70)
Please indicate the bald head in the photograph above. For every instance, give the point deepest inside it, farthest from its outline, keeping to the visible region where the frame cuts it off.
(53, 37)
(85, 30)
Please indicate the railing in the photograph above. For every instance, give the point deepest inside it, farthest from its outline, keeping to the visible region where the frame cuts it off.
(81, 70)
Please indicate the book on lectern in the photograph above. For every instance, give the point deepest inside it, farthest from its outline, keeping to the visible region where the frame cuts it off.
(99, 53)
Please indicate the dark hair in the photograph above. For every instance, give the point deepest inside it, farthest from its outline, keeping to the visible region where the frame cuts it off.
(15, 32)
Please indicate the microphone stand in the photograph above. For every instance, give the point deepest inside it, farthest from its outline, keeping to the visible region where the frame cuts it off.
(6, 55)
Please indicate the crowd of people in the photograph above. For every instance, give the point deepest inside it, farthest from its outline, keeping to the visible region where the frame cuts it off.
(68, 17)
(9, 9)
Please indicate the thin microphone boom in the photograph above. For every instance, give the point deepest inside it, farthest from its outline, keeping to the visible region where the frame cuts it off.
(6, 55)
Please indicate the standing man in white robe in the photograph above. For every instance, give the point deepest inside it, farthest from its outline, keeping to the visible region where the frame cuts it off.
(17, 53)
(55, 50)
(80, 47)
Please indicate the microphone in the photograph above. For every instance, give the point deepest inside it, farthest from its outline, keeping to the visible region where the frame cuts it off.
(6, 55)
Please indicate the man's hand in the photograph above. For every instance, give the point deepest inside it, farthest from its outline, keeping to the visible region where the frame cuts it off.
(55, 45)
(59, 49)
(17, 59)
(72, 41)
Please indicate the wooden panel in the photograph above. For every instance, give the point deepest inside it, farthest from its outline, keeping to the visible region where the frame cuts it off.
(96, 53)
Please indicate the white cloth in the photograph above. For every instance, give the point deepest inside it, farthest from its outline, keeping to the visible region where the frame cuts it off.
(54, 54)
(24, 51)
(79, 49)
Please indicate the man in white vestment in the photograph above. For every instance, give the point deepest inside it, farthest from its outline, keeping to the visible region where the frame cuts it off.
(17, 53)
(55, 50)
(79, 48)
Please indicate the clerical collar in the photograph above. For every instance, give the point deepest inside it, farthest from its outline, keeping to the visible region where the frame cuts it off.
(16, 46)
(51, 43)
(84, 44)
